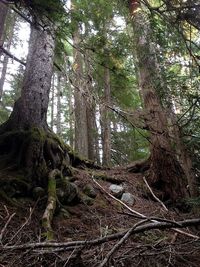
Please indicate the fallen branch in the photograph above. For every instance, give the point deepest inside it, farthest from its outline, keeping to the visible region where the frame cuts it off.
(25, 223)
(78, 244)
(5, 226)
(121, 202)
(140, 215)
(154, 196)
(121, 241)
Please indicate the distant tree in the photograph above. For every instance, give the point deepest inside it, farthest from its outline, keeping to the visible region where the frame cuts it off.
(3, 14)
(9, 39)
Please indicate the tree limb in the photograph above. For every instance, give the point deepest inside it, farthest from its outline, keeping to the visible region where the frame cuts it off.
(98, 241)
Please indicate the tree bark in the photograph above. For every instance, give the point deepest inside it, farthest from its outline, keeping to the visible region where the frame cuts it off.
(3, 14)
(58, 121)
(5, 60)
(81, 135)
(52, 101)
(106, 132)
(30, 110)
(165, 170)
(90, 110)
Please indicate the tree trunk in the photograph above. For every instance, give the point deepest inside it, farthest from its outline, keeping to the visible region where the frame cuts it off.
(5, 60)
(106, 133)
(183, 156)
(71, 117)
(90, 110)
(3, 14)
(58, 121)
(81, 135)
(30, 110)
(52, 101)
(165, 170)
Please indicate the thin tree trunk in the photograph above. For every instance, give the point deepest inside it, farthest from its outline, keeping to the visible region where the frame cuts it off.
(90, 110)
(71, 118)
(52, 102)
(3, 14)
(5, 61)
(106, 133)
(81, 135)
(165, 170)
(58, 121)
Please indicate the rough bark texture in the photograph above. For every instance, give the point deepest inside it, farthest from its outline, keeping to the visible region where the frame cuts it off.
(106, 138)
(81, 135)
(31, 108)
(183, 156)
(165, 170)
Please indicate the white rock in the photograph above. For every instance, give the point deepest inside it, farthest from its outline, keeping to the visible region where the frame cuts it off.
(128, 198)
(116, 190)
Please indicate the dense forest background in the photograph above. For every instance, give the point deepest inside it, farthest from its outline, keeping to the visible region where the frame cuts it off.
(108, 59)
(100, 86)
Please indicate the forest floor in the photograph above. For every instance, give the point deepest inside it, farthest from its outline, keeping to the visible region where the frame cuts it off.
(103, 217)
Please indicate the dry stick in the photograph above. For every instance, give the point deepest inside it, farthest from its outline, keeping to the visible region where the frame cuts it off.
(78, 244)
(121, 202)
(154, 196)
(5, 226)
(121, 241)
(157, 199)
(142, 215)
(25, 223)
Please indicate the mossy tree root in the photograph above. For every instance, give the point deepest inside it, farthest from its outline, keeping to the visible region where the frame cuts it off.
(51, 204)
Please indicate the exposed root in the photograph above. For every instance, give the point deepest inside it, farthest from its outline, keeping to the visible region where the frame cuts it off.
(51, 204)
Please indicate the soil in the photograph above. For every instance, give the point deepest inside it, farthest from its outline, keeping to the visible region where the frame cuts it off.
(88, 221)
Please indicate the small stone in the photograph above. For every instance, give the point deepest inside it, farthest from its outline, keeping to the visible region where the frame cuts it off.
(89, 191)
(128, 198)
(116, 190)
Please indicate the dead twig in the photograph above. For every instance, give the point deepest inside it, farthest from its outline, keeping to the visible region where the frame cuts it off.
(154, 196)
(5, 226)
(142, 216)
(78, 244)
(121, 202)
(121, 241)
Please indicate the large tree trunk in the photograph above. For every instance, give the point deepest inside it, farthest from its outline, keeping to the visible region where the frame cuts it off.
(30, 110)
(165, 170)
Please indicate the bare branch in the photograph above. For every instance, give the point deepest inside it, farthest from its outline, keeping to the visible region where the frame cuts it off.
(78, 244)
